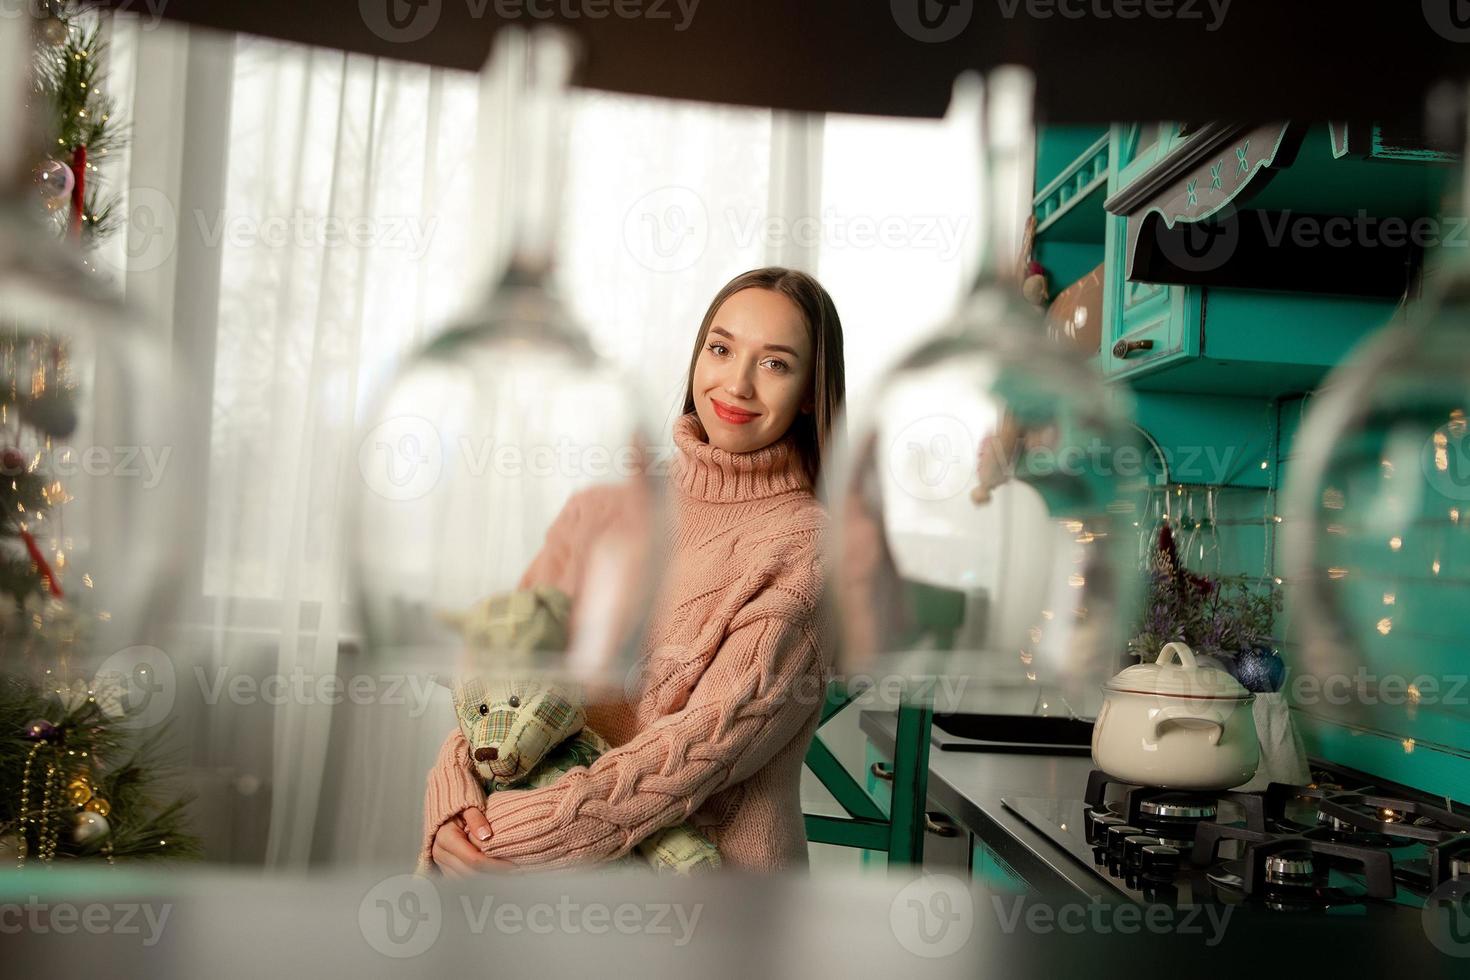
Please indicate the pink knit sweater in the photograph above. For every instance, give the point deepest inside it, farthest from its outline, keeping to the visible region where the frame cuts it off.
(735, 666)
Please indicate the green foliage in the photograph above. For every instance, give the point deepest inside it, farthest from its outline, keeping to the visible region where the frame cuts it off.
(126, 770)
(71, 79)
(1228, 615)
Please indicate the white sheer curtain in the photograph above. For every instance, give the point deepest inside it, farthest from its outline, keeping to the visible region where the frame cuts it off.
(324, 225)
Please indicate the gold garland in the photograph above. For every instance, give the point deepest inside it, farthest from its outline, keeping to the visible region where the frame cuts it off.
(78, 793)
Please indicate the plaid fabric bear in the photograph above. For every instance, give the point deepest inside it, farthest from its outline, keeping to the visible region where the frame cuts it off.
(525, 728)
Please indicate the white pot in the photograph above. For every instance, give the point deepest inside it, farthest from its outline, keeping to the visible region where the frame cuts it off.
(1176, 725)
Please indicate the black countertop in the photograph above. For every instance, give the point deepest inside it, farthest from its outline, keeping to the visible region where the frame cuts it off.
(969, 786)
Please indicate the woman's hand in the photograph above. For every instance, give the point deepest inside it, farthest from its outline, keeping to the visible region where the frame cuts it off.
(456, 849)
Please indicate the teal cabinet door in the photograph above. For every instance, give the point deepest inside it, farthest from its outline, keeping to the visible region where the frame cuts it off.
(946, 840)
(881, 790)
(991, 871)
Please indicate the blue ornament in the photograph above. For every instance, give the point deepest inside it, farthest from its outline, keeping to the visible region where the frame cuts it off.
(1260, 670)
(40, 730)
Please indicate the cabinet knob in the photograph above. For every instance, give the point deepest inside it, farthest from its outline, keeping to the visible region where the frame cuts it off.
(881, 771)
(940, 825)
(1125, 347)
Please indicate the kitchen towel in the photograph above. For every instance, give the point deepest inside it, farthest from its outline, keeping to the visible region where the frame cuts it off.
(1283, 757)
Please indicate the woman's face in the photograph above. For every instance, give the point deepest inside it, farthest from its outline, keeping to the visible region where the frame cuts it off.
(754, 374)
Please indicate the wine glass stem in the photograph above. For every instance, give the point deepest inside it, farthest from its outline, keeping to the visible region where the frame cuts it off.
(533, 70)
(1005, 126)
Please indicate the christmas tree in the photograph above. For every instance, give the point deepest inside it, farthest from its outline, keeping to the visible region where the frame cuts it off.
(70, 78)
(80, 771)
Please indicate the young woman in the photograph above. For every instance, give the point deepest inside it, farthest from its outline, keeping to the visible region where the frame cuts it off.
(737, 654)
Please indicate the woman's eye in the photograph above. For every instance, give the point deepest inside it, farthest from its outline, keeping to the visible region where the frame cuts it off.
(515, 702)
(484, 709)
(718, 349)
(778, 366)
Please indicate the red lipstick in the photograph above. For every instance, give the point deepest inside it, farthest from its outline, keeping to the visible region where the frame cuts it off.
(732, 414)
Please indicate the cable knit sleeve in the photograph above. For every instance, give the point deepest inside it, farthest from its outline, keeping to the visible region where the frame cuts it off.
(452, 789)
(764, 684)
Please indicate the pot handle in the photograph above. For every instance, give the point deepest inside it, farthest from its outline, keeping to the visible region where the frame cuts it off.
(1179, 715)
(1182, 651)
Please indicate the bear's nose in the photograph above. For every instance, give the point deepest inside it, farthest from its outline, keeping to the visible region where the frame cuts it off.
(487, 754)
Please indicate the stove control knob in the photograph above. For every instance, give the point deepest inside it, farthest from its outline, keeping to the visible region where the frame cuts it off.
(1133, 846)
(1159, 862)
(1117, 833)
(1097, 824)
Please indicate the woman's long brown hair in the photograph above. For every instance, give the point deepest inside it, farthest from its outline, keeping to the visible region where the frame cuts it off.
(812, 430)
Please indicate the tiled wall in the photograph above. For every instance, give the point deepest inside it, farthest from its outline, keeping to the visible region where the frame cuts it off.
(1423, 744)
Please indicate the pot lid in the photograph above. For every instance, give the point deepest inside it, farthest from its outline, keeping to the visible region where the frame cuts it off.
(1176, 673)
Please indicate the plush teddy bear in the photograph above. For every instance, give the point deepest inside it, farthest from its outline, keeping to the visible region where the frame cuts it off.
(525, 729)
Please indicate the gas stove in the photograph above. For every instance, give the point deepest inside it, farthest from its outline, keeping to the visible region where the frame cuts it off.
(1339, 845)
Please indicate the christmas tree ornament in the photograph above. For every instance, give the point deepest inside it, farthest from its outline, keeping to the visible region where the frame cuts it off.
(1260, 670)
(79, 790)
(52, 412)
(41, 820)
(73, 697)
(55, 180)
(980, 503)
(110, 692)
(89, 830)
(54, 30)
(96, 767)
(40, 730)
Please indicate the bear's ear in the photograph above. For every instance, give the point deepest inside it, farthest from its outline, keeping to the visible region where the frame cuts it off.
(556, 602)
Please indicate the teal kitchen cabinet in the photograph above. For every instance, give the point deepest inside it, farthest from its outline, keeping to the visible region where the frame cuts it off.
(950, 847)
(877, 773)
(946, 841)
(1222, 274)
(1226, 301)
(1248, 260)
(990, 870)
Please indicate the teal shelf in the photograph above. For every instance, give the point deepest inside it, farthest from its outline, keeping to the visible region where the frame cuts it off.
(1069, 208)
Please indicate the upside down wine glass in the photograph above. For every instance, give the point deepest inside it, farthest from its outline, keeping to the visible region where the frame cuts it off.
(1377, 516)
(504, 424)
(983, 530)
(88, 456)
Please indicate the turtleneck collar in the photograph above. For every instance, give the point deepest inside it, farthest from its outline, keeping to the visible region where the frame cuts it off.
(715, 475)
